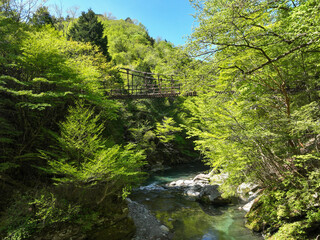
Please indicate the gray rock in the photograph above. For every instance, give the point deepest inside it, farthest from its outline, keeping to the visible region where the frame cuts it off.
(200, 189)
(193, 191)
(218, 179)
(151, 187)
(254, 195)
(202, 178)
(210, 191)
(210, 194)
(188, 183)
(147, 225)
(246, 191)
(164, 229)
(248, 206)
(181, 183)
(251, 199)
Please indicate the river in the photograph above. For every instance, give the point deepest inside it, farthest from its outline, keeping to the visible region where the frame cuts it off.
(187, 219)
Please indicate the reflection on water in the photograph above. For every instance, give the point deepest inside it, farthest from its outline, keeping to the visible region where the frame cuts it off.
(188, 219)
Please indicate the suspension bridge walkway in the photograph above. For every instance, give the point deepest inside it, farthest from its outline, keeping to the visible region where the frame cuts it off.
(138, 85)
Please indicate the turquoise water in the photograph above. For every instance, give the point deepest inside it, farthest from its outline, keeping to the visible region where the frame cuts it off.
(187, 219)
(183, 171)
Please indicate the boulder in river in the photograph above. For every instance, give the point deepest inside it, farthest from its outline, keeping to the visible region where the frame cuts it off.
(202, 178)
(199, 180)
(218, 179)
(200, 189)
(147, 225)
(193, 191)
(210, 194)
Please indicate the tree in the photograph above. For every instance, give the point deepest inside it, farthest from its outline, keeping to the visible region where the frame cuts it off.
(259, 121)
(42, 17)
(89, 29)
(83, 158)
(260, 53)
(109, 16)
(41, 72)
(129, 20)
(19, 10)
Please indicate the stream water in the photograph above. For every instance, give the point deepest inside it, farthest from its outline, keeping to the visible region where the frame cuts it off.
(188, 219)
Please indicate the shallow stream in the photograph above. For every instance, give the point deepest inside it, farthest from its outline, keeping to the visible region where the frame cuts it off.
(188, 219)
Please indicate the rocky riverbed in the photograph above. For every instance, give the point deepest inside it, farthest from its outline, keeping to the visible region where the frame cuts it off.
(191, 208)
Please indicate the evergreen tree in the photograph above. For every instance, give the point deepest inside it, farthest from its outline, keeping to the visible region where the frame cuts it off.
(89, 29)
(83, 158)
(42, 17)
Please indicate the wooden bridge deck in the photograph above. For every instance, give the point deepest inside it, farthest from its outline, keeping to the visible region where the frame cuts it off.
(140, 85)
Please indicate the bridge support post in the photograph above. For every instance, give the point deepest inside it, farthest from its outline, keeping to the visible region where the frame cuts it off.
(128, 79)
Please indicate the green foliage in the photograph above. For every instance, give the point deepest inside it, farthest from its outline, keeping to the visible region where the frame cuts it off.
(294, 212)
(259, 119)
(42, 74)
(306, 120)
(47, 211)
(131, 46)
(31, 213)
(253, 131)
(83, 158)
(290, 231)
(42, 17)
(89, 29)
(80, 136)
(71, 65)
(165, 131)
(153, 125)
(87, 220)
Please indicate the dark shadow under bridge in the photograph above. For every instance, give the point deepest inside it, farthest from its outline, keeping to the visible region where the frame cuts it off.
(139, 85)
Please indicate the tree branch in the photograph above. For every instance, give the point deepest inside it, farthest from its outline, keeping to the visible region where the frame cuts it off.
(282, 55)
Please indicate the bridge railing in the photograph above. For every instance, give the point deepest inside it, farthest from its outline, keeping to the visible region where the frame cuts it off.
(144, 84)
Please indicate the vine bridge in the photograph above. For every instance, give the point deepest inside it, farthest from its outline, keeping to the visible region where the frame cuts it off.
(138, 85)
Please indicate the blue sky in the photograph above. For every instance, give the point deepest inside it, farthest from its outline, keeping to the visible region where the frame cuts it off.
(168, 19)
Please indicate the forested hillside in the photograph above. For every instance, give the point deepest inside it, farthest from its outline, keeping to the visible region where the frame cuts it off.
(69, 155)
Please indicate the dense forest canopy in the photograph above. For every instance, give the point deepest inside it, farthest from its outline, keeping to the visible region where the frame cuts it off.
(69, 153)
(258, 52)
(264, 57)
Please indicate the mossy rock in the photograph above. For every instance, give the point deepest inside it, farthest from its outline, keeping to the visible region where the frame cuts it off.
(256, 224)
(254, 220)
(290, 231)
